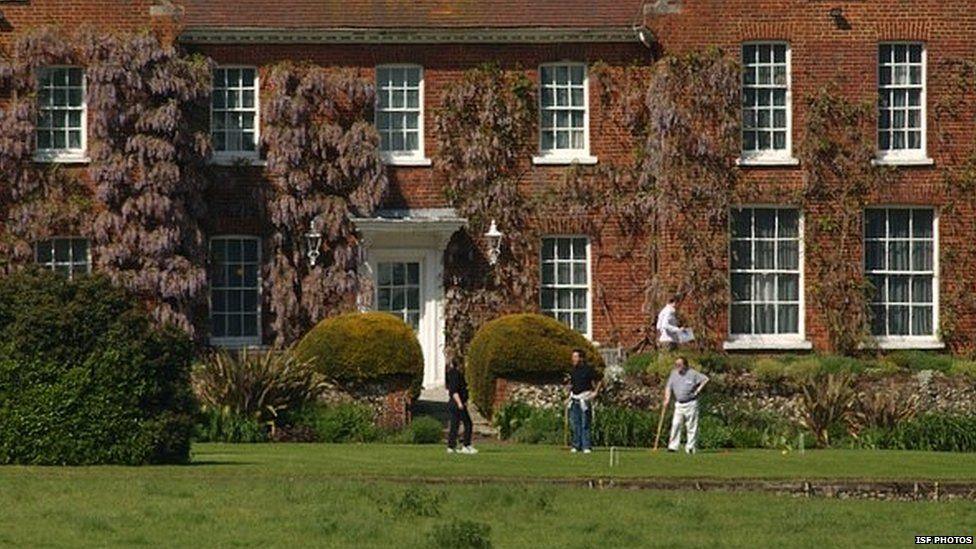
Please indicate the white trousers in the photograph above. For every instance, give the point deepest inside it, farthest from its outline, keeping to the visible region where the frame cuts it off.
(686, 413)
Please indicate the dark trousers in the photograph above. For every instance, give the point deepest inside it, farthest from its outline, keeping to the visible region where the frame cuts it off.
(458, 416)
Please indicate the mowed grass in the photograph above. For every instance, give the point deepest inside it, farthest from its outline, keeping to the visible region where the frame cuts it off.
(345, 496)
(285, 511)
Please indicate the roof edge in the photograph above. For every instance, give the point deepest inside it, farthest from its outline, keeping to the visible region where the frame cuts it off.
(439, 35)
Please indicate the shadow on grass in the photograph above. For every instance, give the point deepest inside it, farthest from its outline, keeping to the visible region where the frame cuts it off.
(215, 462)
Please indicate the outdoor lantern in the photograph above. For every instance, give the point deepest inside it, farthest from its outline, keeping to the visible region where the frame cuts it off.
(494, 237)
(313, 241)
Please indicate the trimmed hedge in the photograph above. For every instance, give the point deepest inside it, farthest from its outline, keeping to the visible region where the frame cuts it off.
(779, 367)
(521, 346)
(363, 347)
(85, 378)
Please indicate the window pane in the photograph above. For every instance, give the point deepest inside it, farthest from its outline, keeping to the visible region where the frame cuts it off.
(741, 223)
(874, 255)
(789, 319)
(765, 319)
(789, 255)
(741, 254)
(898, 223)
(922, 256)
(789, 223)
(922, 321)
(921, 289)
(898, 289)
(898, 255)
(789, 287)
(741, 287)
(765, 288)
(875, 221)
(898, 320)
(741, 319)
(765, 223)
(922, 223)
(765, 254)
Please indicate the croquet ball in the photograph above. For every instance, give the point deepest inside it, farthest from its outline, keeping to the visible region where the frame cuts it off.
(784, 452)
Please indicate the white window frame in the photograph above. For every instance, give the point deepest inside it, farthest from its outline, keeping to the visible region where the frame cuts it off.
(903, 157)
(242, 341)
(71, 263)
(405, 158)
(770, 157)
(933, 341)
(67, 155)
(233, 157)
(797, 341)
(402, 260)
(589, 278)
(566, 156)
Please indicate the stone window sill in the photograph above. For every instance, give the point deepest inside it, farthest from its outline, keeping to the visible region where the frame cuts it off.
(236, 160)
(61, 157)
(760, 162)
(564, 160)
(772, 343)
(909, 343)
(920, 161)
(415, 161)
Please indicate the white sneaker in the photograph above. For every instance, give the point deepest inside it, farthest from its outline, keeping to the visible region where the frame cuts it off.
(573, 450)
(451, 451)
(469, 450)
(587, 451)
(690, 451)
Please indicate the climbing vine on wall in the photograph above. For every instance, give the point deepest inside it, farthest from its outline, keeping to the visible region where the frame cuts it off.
(324, 165)
(485, 133)
(691, 142)
(957, 164)
(139, 199)
(837, 152)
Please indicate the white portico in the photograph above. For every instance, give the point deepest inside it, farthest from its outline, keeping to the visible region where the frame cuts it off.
(404, 253)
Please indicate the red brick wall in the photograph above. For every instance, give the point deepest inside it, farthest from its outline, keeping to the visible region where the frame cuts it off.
(618, 302)
(822, 53)
(20, 17)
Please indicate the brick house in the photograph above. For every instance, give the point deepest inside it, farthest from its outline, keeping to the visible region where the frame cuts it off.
(877, 50)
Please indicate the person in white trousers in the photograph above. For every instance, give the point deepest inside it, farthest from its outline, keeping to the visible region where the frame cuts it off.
(670, 334)
(685, 384)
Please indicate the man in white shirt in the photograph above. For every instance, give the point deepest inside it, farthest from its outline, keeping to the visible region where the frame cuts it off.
(667, 324)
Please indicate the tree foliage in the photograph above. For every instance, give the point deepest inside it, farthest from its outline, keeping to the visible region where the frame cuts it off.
(144, 203)
(324, 165)
(840, 178)
(485, 131)
(688, 151)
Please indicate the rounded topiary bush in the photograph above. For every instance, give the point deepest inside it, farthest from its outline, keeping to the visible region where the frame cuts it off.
(363, 347)
(521, 346)
(86, 379)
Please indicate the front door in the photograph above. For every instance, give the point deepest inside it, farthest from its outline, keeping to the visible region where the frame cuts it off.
(407, 286)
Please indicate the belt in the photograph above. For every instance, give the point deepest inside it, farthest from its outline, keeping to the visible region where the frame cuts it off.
(687, 401)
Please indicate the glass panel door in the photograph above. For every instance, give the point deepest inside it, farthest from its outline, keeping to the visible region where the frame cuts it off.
(398, 290)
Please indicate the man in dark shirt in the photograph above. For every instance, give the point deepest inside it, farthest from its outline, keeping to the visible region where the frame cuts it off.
(457, 405)
(583, 389)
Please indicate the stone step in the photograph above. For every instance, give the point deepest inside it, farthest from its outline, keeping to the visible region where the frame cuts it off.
(433, 402)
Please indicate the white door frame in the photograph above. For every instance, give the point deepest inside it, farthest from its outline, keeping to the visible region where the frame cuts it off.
(421, 236)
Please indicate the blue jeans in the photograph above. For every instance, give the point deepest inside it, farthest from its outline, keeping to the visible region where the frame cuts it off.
(580, 422)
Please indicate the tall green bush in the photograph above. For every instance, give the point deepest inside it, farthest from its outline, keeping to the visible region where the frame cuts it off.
(86, 379)
(363, 347)
(521, 346)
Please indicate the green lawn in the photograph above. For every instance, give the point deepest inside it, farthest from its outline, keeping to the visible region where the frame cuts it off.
(308, 495)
